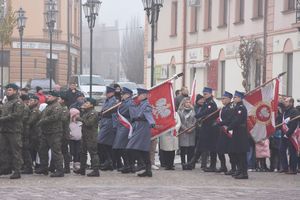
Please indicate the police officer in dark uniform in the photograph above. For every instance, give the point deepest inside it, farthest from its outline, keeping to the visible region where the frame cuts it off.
(210, 130)
(288, 130)
(11, 129)
(107, 133)
(142, 121)
(240, 142)
(224, 139)
(52, 133)
(89, 119)
(121, 139)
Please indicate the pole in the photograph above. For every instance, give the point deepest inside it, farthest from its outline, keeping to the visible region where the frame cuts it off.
(69, 42)
(152, 52)
(91, 60)
(21, 58)
(80, 36)
(2, 63)
(278, 125)
(50, 67)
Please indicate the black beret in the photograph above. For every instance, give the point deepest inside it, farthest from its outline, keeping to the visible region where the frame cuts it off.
(32, 96)
(91, 100)
(24, 97)
(54, 93)
(38, 88)
(12, 85)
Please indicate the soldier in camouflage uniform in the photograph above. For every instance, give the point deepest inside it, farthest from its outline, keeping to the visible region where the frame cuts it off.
(27, 167)
(89, 121)
(66, 133)
(11, 128)
(34, 130)
(52, 133)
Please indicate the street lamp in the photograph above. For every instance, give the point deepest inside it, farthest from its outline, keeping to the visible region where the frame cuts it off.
(91, 9)
(297, 11)
(50, 18)
(152, 8)
(2, 14)
(21, 25)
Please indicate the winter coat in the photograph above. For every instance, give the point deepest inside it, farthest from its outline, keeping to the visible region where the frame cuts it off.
(75, 126)
(169, 141)
(187, 118)
(262, 149)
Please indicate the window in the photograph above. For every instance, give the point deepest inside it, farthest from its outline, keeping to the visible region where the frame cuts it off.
(257, 9)
(207, 14)
(221, 84)
(223, 13)
(194, 21)
(257, 73)
(174, 18)
(291, 5)
(239, 11)
(289, 81)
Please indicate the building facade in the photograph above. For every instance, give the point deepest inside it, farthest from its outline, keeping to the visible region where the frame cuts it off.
(36, 45)
(203, 38)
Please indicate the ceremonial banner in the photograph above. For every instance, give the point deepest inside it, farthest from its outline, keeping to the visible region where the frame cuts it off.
(261, 105)
(295, 140)
(162, 101)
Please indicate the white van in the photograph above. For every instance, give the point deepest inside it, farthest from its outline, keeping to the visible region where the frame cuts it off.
(98, 86)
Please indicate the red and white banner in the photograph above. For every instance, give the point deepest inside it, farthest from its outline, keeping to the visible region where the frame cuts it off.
(125, 123)
(262, 109)
(193, 92)
(162, 101)
(295, 140)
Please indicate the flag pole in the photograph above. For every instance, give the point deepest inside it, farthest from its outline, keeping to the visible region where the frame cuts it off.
(202, 120)
(278, 125)
(176, 76)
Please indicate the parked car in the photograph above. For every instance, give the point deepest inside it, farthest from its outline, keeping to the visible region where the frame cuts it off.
(131, 85)
(109, 82)
(98, 86)
(43, 83)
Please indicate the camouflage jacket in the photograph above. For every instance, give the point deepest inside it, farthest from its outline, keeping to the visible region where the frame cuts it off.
(34, 117)
(12, 115)
(89, 121)
(65, 118)
(51, 119)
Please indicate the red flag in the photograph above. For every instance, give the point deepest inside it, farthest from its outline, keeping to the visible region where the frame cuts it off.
(162, 101)
(295, 140)
(125, 123)
(262, 108)
(193, 92)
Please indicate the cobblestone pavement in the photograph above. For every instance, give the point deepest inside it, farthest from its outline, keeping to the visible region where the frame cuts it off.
(176, 184)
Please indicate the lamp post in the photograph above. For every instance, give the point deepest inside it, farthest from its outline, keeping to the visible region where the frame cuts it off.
(152, 8)
(21, 25)
(2, 14)
(297, 11)
(50, 18)
(91, 9)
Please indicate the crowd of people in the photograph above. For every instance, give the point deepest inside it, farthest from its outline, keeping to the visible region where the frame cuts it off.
(55, 131)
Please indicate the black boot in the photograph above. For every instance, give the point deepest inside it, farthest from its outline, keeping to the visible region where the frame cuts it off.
(42, 171)
(15, 175)
(230, 172)
(222, 169)
(67, 169)
(57, 174)
(147, 173)
(80, 171)
(128, 169)
(94, 173)
(27, 171)
(237, 173)
(243, 175)
(108, 165)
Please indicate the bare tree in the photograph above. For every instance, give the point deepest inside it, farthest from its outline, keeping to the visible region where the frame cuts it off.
(249, 49)
(132, 51)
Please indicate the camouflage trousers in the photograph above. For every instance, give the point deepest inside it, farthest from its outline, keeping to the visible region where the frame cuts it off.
(51, 141)
(11, 151)
(26, 152)
(89, 144)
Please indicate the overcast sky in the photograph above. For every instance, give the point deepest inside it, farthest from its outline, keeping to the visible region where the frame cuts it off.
(121, 10)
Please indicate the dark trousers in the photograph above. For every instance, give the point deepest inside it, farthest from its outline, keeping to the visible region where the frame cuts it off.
(168, 158)
(222, 160)
(275, 159)
(143, 156)
(107, 150)
(233, 161)
(186, 152)
(241, 162)
(118, 156)
(287, 145)
(75, 150)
